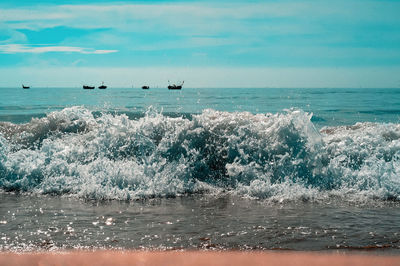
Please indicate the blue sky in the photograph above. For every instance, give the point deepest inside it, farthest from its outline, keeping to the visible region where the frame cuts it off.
(349, 43)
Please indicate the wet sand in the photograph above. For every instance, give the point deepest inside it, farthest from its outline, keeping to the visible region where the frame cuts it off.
(119, 258)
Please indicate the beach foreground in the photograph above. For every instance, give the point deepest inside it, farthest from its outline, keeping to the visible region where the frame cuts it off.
(193, 258)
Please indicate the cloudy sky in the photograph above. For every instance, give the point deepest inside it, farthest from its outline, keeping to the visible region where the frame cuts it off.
(299, 43)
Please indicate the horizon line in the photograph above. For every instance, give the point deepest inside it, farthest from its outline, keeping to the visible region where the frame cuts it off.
(204, 87)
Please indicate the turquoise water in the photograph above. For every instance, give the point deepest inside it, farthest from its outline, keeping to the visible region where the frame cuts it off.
(329, 106)
(160, 157)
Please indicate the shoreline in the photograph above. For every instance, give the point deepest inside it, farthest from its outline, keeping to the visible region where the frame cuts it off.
(166, 258)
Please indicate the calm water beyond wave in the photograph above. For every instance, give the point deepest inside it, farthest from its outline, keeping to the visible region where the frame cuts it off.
(301, 169)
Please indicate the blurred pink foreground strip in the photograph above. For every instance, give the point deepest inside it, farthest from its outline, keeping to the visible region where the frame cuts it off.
(116, 258)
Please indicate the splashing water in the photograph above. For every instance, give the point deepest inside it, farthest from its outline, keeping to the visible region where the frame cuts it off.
(271, 156)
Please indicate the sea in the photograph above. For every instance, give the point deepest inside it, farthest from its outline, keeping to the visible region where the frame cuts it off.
(300, 169)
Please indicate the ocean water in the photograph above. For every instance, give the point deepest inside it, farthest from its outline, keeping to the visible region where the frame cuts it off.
(125, 168)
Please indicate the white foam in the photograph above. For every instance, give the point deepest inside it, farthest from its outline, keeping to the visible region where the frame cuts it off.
(278, 157)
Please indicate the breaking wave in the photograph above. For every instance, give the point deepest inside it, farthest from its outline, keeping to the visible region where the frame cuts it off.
(270, 156)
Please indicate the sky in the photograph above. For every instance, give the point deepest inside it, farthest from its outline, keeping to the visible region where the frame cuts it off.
(299, 43)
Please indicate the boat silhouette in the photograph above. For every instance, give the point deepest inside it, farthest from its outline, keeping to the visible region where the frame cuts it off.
(86, 87)
(25, 87)
(102, 86)
(174, 86)
(145, 87)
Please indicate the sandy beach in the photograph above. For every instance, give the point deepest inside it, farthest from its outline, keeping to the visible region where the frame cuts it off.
(119, 258)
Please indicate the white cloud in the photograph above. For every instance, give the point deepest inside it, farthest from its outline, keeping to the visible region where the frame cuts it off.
(279, 31)
(194, 16)
(13, 36)
(233, 23)
(148, 11)
(19, 48)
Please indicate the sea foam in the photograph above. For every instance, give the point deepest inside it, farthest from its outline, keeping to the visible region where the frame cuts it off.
(276, 157)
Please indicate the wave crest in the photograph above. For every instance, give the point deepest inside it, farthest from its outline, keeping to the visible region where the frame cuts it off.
(273, 156)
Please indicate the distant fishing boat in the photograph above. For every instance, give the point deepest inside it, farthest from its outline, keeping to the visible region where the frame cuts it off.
(145, 87)
(25, 87)
(102, 86)
(86, 87)
(174, 86)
